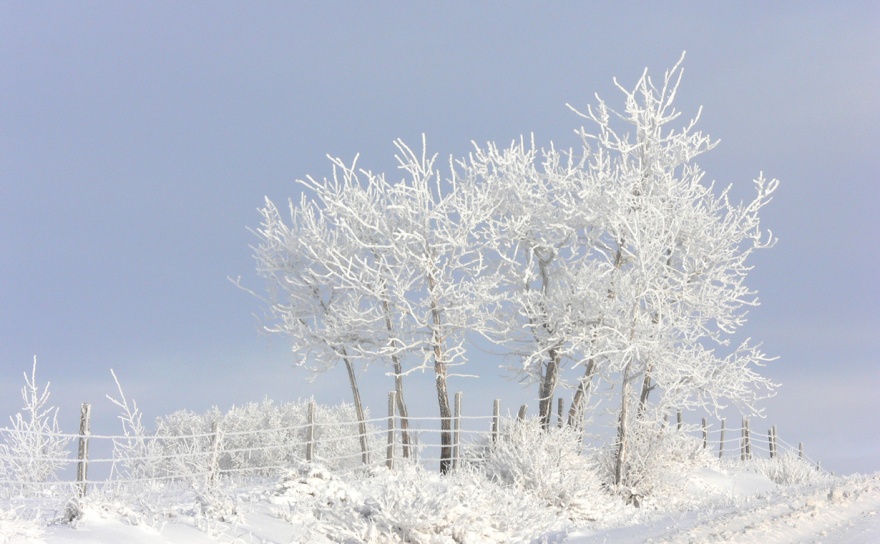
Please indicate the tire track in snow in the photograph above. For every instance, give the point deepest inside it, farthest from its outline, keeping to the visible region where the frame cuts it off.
(848, 512)
(845, 512)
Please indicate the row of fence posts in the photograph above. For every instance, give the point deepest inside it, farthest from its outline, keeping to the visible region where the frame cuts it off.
(745, 431)
(745, 437)
(746, 440)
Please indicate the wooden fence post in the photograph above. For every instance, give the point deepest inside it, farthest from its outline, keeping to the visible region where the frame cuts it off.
(771, 442)
(389, 450)
(82, 467)
(705, 426)
(721, 443)
(775, 442)
(522, 412)
(496, 419)
(745, 447)
(310, 433)
(800, 450)
(748, 440)
(678, 418)
(456, 452)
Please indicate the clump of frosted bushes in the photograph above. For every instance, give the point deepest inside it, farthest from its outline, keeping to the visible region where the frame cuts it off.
(789, 469)
(522, 485)
(256, 439)
(660, 461)
(549, 465)
(412, 504)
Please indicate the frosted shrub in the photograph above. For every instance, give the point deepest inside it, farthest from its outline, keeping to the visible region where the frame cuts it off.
(269, 438)
(337, 437)
(262, 439)
(789, 469)
(661, 456)
(13, 525)
(417, 506)
(184, 442)
(260, 436)
(547, 464)
(33, 449)
(422, 506)
(136, 456)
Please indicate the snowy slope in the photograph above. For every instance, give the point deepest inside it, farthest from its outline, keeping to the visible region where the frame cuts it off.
(843, 511)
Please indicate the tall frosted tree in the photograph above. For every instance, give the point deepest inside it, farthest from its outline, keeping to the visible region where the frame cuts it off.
(371, 269)
(432, 238)
(675, 249)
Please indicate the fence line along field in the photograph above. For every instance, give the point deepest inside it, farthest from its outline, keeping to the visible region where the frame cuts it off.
(268, 440)
(518, 480)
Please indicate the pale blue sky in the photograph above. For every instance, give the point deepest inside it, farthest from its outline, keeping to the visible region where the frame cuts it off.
(137, 141)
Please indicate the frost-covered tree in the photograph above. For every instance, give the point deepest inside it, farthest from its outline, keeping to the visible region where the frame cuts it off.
(675, 251)
(33, 449)
(538, 238)
(369, 269)
(356, 205)
(326, 320)
(432, 244)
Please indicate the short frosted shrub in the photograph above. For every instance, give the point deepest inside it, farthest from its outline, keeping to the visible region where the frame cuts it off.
(337, 437)
(660, 458)
(135, 455)
(789, 469)
(258, 439)
(14, 525)
(413, 505)
(548, 464)
(33, 450)
(267, 439)
(184, 444)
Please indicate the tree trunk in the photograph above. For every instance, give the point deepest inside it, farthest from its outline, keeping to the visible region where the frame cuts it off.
(622, 428)
(647, 387)
(548, 388)
(579, 402)
(401, 408)
(445, 417)
(398, 384)
(359, 409)
(442, 391)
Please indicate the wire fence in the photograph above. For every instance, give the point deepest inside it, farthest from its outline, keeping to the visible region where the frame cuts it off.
(742, 442)
(201, 458)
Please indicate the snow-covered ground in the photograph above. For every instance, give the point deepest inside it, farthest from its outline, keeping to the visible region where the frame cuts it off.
(845, 512)
(250, 483)
(737, 506)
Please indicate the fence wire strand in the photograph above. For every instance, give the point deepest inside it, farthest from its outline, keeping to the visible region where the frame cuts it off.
(144, 458)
